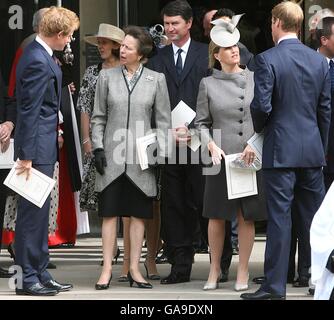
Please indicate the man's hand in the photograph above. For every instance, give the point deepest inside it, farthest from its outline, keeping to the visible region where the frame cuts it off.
(181, 135)
(24, 167)
(60, 142)
(5, 145)
(6, 129)
(72, 87)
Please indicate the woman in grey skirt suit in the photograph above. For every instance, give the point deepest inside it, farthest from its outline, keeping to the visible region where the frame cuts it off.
(223, 106)
(127, 99)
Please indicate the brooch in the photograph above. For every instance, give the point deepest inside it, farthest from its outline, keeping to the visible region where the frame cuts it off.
(149, 78)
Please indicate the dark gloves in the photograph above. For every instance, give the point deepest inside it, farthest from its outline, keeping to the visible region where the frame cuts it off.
(154, 160)
(330, 262)
(152, 151)
(100, 161)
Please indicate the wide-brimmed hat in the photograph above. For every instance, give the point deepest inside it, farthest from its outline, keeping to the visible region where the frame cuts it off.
(107, 31)
(225, 33)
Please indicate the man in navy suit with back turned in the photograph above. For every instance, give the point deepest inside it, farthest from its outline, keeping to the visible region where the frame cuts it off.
(325, 36)
(292, 106)
(184, 63)
(38, 92)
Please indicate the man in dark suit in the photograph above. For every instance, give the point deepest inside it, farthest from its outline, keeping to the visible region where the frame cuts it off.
(292, 106)
(325, 36)
(7, 122)
(184, 63)
(38, 92)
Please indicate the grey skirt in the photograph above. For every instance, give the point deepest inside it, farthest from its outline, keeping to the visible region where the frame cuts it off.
(217, 206)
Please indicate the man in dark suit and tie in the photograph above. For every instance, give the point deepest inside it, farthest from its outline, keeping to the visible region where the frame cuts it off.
(38, 92)
(7, 122)
(184, 63)
(325, 36)
(292, 106)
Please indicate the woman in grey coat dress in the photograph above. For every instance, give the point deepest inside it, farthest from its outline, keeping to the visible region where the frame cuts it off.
(223, 106)
(127, 99)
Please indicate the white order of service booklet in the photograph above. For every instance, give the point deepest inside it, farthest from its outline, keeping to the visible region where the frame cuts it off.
(182, 115)
(36, 189)
(142, 143)
(240, 182)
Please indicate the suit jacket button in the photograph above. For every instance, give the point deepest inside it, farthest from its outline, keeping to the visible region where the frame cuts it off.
(242, 97)
(240, 134)
(241, 109)
(240, 121)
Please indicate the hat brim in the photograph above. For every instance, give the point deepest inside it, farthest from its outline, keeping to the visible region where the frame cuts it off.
(223, 38)
(93, 39)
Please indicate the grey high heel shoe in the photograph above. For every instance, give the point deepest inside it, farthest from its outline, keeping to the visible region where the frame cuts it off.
(241, 286)
(212, 285)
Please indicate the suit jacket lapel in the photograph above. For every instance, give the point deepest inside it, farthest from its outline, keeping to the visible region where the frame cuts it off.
(190, 60)
(168, 59)
(56, 70)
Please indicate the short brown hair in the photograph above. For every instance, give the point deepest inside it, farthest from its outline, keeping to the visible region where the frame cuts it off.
(58, 19)
(325, 28)
(144, 40)
(290, 14)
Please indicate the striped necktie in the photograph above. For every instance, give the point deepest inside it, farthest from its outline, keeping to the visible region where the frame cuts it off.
(331, 73)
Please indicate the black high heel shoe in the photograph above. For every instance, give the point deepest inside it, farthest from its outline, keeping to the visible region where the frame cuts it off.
(151, 276)
(103, 286)
(114, 260)
(141, 285)
(11, 252)
(118, 253)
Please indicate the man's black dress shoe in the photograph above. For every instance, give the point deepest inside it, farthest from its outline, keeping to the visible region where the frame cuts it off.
(162, 259)
(223, 276)
(52, 284)
(51, 266)
(174, 278)
(311, 291)
(11, 251)
(259, 280)
(301, 282)
(261, 295)
(5, 273)
(37, 289)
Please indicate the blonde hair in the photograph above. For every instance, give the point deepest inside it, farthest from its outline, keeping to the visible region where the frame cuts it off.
(58, 19)
(290, 14)
(213, 49)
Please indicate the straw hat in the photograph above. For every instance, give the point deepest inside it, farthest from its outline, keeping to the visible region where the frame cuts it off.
(225, 33)
(107, 31)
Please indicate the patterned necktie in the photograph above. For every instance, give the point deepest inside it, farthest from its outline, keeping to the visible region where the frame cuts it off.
(331, 73)
(179, 62)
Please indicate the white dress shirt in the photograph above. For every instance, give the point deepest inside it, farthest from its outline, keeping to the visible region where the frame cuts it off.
(44, 45)
(289, 36)
(185, 49)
